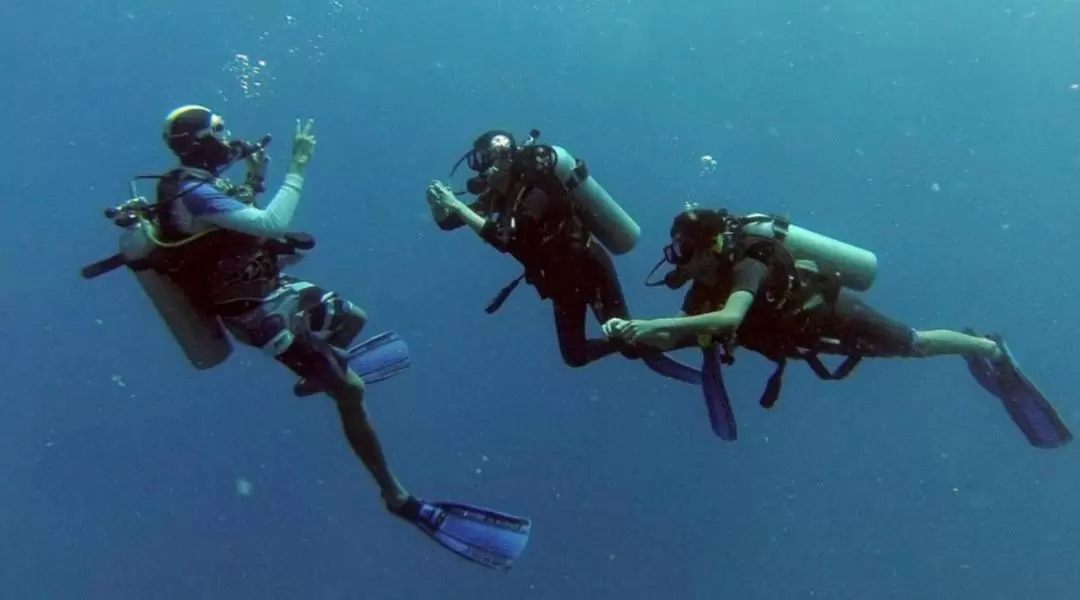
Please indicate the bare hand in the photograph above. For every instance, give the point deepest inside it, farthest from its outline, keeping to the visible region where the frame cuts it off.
(258, 163)
(303, 143)
(647, 332)
(441, 197)
(614, 327)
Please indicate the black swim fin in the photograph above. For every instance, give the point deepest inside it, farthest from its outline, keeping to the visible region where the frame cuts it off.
(490, 538)
(1026, 405)
(717, 403)
(663, 364)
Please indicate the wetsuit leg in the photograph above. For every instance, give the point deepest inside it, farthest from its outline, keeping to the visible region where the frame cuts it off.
(576, 349)
(858, 325)
(609, 301)
(597, 289)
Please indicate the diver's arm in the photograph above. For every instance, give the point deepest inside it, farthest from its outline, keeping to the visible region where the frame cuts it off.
(682, 331)
(716, 323)
(446, 219)
(748, 276)
(469, 216)
(665, 341)
(449, 219)
(447, 209)
(272, 222)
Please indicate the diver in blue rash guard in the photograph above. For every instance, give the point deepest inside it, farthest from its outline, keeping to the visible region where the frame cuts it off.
(258, 304)
(206, 255)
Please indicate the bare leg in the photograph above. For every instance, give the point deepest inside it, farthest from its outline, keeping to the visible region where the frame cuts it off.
(945, 342)
(348, 327)
(363, 439)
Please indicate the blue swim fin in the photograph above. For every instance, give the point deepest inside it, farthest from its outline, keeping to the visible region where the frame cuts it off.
(721, 417)
(484, 536)
(669, 367)
(374, 360)
(380, 357)
(1026, 405)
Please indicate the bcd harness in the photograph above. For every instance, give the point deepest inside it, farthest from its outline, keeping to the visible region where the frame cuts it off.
(792, 335)
(213, 252)
(569, 234)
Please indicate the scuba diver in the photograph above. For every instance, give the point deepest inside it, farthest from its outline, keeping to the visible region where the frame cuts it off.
(542, 206)
(764, 284)
(207, 256)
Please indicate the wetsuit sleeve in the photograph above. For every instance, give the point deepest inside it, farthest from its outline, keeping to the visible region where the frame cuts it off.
(748, 275)
(210, 206)
(454, 221)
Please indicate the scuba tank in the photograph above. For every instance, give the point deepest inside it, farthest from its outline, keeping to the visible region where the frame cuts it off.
(196, 329)
(603, 217)
(855, 268)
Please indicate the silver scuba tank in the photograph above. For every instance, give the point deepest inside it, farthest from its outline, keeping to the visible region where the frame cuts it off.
(603, 217)
(856, 268)
(198, 333)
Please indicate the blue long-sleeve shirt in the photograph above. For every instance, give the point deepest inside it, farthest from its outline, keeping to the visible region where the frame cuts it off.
(203, 207)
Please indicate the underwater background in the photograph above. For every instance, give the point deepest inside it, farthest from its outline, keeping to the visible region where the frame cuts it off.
(943, 135)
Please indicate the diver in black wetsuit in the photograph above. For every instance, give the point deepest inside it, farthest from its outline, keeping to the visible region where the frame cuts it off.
(524, 209)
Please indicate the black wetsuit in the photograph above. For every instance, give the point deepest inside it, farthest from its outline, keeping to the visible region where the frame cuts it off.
(561, 261)
(858, 327)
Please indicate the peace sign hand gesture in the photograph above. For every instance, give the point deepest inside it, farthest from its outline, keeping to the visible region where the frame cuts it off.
(303, 145)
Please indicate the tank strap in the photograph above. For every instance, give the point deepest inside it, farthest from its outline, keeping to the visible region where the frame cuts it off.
(780, 228)
(578, 174)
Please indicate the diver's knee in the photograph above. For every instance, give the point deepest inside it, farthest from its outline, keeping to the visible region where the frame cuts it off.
(575, 360)
(353, 319)
(356, 313)
(920, 347)
(347, 389)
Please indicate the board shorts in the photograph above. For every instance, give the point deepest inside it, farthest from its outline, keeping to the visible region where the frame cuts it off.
(291, 324)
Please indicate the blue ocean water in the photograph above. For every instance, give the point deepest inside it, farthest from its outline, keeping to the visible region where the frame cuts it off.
(942, 135)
